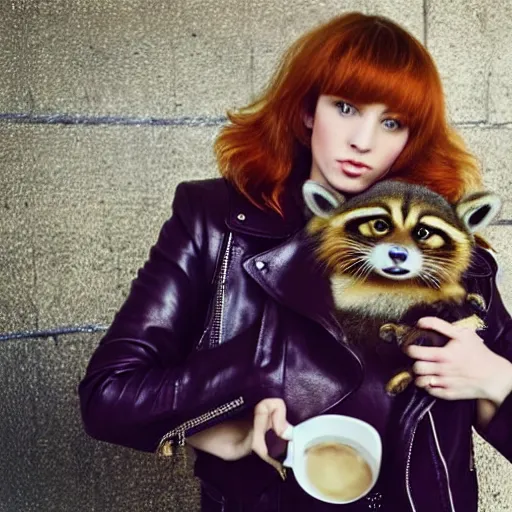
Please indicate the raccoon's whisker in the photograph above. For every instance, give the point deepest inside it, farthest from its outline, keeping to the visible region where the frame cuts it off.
(435, 257)
(434, 273)
(346, 253)
(347, 245)
(445, 268)
(441, 274)
(436, 261)
(363, 249)
(429, 283)
(358, 274)
(350, 264)
(364, 271)
(435, 270)
(422, 281)
(430, 280)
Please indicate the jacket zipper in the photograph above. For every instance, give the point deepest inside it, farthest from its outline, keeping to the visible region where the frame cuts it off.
(443, 460)
(176, 436)
(408, 465)
(217, 324)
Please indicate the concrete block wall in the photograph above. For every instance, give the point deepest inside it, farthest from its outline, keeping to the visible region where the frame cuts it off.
(105, 106)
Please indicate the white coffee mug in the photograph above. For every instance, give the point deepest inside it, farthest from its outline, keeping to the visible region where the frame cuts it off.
(335, 428)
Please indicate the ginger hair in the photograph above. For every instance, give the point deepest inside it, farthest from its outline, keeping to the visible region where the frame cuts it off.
(363, 59)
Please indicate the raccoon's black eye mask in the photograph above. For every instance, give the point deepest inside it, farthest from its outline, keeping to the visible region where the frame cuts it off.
(374, 226)
(424, 232)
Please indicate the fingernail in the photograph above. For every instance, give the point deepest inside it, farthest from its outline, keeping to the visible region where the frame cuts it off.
(287, 433)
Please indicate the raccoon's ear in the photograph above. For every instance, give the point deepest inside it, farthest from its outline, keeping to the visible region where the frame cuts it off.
(321, 200)
(478, 210)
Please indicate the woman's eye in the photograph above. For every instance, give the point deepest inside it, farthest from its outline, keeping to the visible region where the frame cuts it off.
(392, 124)
(380, 226)
(345, 108)
(422, 233)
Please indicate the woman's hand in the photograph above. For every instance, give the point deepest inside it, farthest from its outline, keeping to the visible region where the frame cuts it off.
(269, 414)
(234, 439)
(463, 369)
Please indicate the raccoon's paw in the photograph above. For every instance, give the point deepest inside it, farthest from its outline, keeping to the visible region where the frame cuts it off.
(477, 302)
(393, 333)
(399, 382)
(473, 322)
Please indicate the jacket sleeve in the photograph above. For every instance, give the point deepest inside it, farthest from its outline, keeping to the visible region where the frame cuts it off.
(144, 378)
(498, 337)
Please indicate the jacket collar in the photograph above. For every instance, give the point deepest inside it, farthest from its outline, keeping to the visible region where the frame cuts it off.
(245, 217)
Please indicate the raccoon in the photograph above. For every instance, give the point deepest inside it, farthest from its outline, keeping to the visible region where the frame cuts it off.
(395, 253)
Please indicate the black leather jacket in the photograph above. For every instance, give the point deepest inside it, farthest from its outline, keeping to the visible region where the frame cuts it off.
(185, 351)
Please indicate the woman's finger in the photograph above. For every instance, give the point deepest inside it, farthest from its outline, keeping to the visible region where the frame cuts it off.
(433, 354)
(266, 414)
(260, 426)
(278, 421)
(437, 324)
(429, 381)
(426, 368)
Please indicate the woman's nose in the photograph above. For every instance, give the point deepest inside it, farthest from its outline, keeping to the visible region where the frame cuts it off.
(363, 136)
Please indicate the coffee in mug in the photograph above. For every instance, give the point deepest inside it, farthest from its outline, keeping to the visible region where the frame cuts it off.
(337, 470)
(334, 458)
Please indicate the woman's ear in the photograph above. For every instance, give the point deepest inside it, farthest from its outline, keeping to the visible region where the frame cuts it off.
(308, 121)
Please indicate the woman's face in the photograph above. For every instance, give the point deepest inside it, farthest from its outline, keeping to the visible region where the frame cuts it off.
(353, 146)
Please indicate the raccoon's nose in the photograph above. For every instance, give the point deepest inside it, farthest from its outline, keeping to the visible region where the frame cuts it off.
(398, 254)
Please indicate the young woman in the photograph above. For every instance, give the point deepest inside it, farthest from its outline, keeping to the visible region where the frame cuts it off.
(226, 335)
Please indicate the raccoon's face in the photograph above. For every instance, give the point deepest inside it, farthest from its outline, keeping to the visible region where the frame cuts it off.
(395, 241)
(398, 232)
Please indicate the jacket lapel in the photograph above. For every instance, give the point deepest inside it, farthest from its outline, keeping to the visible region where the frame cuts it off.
(293, 277)
(288, 271)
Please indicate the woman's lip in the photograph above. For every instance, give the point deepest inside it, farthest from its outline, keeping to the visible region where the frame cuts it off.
(355, 163)
(348, 168)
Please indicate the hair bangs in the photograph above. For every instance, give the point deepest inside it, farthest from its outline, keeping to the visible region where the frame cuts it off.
(379, 66)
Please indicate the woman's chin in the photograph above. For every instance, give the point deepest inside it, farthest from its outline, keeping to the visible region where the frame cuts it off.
(350, 187)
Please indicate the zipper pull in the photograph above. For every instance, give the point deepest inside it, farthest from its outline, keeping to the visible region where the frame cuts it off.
(166, 449)
(166, 446)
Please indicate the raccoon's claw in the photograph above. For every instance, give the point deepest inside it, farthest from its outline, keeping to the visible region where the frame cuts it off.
(388, 332)
(477, 302)
(393, 332)
(399, 382)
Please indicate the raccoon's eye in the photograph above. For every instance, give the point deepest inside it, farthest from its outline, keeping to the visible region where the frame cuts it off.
(380, 226)
(374, 228)
(422, 233)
